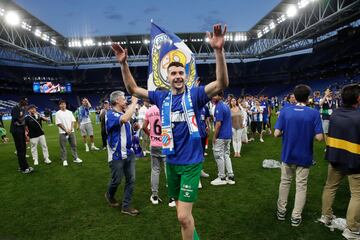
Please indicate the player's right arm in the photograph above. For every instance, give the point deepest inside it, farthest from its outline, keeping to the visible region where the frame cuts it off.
(129, 111)
(130, 84)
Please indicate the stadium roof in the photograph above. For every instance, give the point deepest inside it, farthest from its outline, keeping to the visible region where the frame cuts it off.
(292, 25)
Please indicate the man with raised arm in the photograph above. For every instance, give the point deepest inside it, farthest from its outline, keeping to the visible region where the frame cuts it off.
(180, 112)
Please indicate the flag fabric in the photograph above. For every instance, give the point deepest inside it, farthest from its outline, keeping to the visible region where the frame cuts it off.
(166, 47)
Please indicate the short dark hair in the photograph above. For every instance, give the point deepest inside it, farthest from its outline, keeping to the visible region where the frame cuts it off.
(302, 92)
(350, 94)
(175, 64)
(61, 101)
(220, 94)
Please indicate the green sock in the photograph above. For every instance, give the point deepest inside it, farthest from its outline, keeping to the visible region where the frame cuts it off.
(196, 236)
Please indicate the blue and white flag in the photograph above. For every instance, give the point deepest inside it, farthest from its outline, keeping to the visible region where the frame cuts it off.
(166, 47)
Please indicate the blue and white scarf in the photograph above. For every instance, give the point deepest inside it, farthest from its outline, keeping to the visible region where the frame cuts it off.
(167, 134)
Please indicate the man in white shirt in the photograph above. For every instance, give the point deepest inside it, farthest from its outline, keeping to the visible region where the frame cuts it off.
(65, 120)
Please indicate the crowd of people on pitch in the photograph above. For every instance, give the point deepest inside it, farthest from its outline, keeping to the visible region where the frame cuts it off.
(177, 123)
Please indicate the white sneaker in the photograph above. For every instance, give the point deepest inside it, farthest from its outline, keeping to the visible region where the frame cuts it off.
(155, 199)
(351, 235)
(78, 160)
(270, 132)
(36, 162)
(87, 148)
(230, 180)
(204, 174)
(94, 148)
(251, 139)
(326, 220)
(261, 140)
(65, 163)
(172, 202)
(200, 185)
(218, 181)
(47, 161)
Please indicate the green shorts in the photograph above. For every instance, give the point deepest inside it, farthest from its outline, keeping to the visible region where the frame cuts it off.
(183, 181)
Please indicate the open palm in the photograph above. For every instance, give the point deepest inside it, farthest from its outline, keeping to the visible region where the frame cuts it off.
(216, 40)
(120, 53)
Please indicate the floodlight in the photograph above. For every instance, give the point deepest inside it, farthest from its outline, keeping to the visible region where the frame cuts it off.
(2, 12)
(53, 41)
(303, 3)
(272, 25)
(12, 18)
(291, 11)
(37, 33)
(88, 42)
(281, 19)
(260, 34)
(45, 37)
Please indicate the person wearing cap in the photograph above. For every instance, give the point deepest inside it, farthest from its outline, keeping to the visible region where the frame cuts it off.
(86, 127)
(106, 107)
(36, 134)
(17, 129)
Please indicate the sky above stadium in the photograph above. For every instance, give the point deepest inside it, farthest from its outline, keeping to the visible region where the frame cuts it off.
(82, 18)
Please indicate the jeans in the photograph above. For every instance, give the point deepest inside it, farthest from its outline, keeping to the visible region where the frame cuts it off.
(119, 168)
(221, 150)
(156, 160)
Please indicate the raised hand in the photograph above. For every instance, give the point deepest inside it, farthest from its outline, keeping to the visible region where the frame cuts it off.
(216, 40)
(120, 53)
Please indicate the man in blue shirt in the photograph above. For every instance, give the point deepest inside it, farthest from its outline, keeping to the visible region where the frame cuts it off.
(221, 142)
(180, 109)
(120, 153)
(298, 125)
(264, 104)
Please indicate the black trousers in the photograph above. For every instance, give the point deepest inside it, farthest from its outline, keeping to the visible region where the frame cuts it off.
(20, 144)
(104, 137)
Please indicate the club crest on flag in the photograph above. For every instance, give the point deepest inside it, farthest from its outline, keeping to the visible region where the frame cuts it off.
(166, 47)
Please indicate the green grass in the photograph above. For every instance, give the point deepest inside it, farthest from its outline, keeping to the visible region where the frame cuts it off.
(68, 203)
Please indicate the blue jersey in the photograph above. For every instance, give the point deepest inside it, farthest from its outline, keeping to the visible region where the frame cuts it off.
(222, 114)
(186, 151)
(119, 137)
(265, 106)
(317, 103)
(205, 113)
(299, 125)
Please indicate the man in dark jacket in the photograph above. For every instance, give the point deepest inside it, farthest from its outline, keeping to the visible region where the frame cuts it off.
(17, 129)
(343, 154)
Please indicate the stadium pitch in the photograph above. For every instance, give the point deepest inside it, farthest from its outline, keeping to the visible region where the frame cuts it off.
(57, 202)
